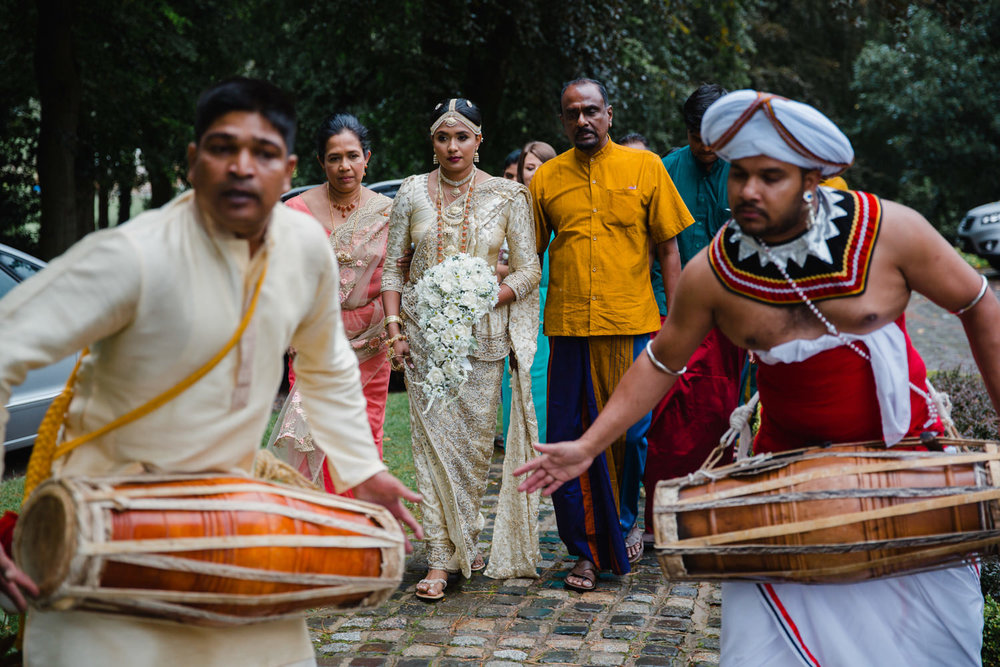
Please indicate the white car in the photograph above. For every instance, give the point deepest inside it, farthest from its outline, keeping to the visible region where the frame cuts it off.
(979, 233)
(30, 399)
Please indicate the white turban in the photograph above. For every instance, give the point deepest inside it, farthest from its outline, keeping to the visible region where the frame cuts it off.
(747, 123)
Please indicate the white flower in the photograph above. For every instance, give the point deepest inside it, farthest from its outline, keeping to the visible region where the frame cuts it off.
(451, 297)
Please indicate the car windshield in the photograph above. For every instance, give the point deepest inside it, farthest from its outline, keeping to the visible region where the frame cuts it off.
(14, 270)
(21, 268)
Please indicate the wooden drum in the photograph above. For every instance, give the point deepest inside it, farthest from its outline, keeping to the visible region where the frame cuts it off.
(210, 550)
(842, 513)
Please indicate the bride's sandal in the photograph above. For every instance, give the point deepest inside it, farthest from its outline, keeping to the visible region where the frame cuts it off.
(479, 564)
(431, 592)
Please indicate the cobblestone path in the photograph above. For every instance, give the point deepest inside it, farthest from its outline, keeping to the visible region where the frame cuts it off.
(636, 619)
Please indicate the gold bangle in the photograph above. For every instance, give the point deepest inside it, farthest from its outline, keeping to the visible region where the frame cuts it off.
(392, 341)
(389, 319)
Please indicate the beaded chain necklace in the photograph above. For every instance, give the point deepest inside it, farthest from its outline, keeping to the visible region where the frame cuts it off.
(464, 238)
(932, 409)
(344, 209)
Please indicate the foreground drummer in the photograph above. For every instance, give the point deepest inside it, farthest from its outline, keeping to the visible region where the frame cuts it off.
(839, 368)
(154, 300)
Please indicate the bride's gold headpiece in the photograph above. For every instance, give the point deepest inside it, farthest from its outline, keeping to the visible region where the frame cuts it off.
(451, 118)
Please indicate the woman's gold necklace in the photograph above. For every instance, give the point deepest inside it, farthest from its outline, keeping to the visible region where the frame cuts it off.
(464, 238)
(345, 209)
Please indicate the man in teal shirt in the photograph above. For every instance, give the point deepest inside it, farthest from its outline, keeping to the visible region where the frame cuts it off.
(688, 422)
(700, 177)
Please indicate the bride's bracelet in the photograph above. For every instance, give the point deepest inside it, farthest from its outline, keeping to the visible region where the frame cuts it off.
(389, 319)
(392, 341)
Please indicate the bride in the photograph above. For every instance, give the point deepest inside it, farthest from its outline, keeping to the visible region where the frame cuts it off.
(458, 208)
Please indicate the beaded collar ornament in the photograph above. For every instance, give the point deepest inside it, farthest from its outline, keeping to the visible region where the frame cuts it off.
(829, 260)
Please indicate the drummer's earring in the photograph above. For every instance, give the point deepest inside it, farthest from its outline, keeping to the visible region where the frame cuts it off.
(809, 199)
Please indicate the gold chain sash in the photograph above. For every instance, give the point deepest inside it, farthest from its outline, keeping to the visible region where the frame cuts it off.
(46, 450)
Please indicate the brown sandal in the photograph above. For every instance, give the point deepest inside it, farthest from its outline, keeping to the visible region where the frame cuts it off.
(431, 583)
(478, 564)
(584, 570)
(634, 543)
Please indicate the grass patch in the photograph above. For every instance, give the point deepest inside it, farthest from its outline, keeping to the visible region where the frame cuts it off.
(11, 493)
(396, 444)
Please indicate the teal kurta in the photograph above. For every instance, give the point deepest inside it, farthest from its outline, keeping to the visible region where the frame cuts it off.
(704, 193)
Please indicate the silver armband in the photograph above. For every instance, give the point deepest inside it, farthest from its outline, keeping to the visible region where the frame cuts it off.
(979, 297)
(659, 366)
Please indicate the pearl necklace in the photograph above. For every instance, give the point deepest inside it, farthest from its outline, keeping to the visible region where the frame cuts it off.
(463, 241)
(456, 185)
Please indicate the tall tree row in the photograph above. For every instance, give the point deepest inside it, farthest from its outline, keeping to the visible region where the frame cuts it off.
(108, 103)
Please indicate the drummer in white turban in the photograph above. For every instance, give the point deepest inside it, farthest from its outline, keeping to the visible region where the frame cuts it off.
(816, 282)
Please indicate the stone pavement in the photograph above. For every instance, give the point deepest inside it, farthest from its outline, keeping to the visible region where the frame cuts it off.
(636, 619)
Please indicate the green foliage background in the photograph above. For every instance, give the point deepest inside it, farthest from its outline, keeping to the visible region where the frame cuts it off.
(912, 83)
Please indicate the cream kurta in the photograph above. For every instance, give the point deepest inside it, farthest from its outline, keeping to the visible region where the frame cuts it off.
(154, 300)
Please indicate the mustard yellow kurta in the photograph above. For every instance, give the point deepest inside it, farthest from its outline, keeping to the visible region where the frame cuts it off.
(604, 210)
(154, 299)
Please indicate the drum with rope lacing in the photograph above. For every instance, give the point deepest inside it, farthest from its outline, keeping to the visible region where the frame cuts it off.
(204, 549)
(841, 513)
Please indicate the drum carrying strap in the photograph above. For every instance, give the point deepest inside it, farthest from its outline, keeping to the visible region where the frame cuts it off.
(46, 449)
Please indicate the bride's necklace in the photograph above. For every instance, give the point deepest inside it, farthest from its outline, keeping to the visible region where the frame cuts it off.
(456, 185)
(345, 209)
(453, 211)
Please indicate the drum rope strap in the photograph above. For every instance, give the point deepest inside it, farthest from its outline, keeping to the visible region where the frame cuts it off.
(46, 449)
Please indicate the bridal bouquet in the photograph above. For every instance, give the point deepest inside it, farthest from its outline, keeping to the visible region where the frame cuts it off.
(451, 297)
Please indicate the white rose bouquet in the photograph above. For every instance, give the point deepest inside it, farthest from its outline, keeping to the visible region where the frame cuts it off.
(451, 297)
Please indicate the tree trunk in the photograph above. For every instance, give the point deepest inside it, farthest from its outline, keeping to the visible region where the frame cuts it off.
(59, 92)
(162, 187)
(104, 202)
(124, 200)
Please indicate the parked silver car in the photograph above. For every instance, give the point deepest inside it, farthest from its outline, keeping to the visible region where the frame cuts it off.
(31, 398)
(979, 233)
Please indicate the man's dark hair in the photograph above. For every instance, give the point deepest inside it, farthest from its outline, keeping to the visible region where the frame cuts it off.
(243, 94)
(697, 104)
(462, 106)
(582, 81)
(634, 138)
(334, 125)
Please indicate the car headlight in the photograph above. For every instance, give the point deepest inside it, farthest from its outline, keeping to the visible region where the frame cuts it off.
(990, 218)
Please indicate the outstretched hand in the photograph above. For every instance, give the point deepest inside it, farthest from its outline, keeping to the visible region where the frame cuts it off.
(385, 490)
(14, 583)
(559, 463)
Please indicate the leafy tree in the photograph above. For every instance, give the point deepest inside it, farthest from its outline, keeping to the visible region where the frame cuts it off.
(927, 115)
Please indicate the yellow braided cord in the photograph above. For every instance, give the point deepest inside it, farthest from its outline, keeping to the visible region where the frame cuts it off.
(43, 453)
(43, 469)
(270, 468)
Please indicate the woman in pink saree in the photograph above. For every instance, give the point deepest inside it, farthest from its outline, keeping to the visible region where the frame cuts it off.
(357, 220)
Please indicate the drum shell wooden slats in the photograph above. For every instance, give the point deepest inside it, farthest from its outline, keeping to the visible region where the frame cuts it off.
(713, 562)
(104, 526)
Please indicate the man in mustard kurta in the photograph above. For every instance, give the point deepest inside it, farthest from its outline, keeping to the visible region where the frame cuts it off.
(604, 206)
(154, 299)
